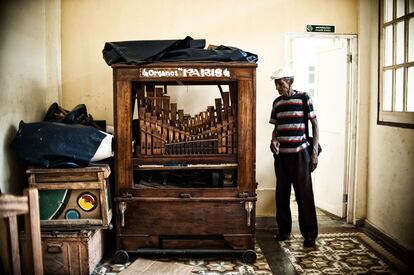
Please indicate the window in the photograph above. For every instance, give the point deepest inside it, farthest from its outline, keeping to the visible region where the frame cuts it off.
(311, 80)
(396, 63)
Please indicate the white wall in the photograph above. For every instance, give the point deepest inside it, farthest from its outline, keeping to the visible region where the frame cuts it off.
(389, 189)
(255, 26)
(28, 74)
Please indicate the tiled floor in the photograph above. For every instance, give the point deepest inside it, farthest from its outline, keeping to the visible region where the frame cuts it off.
(275, 255)
(340, 253)
(202, 265)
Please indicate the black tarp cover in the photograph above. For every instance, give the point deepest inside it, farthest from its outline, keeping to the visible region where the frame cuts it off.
(187, 49)
(53, 144)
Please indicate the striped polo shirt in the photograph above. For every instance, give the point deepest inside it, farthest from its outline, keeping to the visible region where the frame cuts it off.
(288, 116)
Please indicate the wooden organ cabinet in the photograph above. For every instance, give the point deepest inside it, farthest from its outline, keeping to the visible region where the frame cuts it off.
(185, 184)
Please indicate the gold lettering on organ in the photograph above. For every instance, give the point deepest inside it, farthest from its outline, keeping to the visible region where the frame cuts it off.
(184, 72)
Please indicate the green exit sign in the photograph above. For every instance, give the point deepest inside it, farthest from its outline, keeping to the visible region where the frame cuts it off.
(320, 28)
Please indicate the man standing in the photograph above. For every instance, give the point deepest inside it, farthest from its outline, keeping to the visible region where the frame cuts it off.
(293, 164)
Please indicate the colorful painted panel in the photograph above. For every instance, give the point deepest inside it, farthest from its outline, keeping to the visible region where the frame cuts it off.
(69, 204)
(52, 203)
(87, 201)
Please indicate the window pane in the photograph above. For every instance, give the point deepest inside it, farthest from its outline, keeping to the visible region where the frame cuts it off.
(311, 92)
(399, 90)
(400, 43)
(387, 10)
(311, 78)
(387, 88)
(410, 90)
(411, 6)
(400, 8)
(388, 46)
(411, 40)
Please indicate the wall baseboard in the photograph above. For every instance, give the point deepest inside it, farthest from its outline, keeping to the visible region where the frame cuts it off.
(359, 222)
(403, 254)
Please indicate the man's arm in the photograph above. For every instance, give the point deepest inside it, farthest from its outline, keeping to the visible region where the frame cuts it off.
(274, 143)
(315, 134)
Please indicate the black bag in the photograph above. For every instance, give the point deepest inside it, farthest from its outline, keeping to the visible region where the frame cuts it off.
(308, 138)
(77, 115)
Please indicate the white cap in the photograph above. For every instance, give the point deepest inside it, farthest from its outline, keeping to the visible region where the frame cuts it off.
(281, 73)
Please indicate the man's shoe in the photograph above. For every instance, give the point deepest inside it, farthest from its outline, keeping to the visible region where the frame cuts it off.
(282, 237)
(309, 243)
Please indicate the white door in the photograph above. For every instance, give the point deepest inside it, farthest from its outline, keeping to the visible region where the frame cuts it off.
(331, 86)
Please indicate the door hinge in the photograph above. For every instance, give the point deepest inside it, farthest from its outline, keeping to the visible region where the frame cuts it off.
(349, 58)
(248, 205)
(345, 198)
(122, 207)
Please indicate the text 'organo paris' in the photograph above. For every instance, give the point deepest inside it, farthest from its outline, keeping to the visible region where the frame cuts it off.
(184, 72)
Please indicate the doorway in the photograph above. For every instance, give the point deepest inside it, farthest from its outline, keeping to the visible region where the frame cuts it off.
(324, 68)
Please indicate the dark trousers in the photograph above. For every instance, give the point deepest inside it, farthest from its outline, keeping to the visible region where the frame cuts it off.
(293, 169)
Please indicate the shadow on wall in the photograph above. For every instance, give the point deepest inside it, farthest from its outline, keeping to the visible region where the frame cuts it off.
(14, 168)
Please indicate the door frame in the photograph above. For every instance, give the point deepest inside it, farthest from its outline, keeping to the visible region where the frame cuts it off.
(351, 109)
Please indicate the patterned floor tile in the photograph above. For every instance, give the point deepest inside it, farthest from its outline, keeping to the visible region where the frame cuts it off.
(207, 266)
(337, 253)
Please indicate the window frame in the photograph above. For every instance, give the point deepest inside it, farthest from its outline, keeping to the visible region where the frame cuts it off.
(404, 119)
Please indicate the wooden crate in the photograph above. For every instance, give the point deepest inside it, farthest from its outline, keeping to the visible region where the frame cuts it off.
(77, 198)
(72, 252)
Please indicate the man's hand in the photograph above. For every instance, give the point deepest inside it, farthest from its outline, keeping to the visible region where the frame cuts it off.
(314, 161)
(274, 146)
(315, 132)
